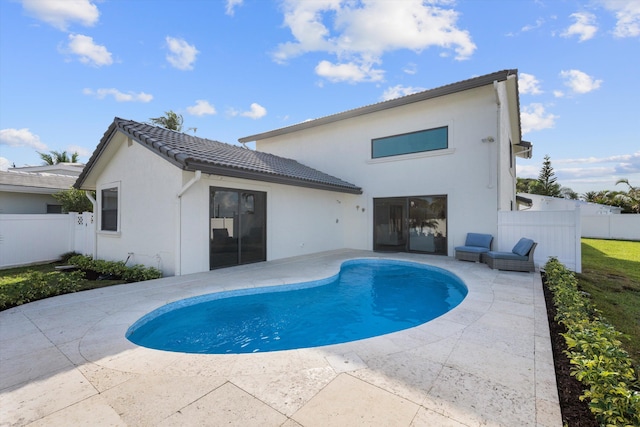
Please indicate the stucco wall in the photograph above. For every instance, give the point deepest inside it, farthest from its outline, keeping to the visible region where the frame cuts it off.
(22, 203)
(467, 172)
(148, 186)
(299, 220)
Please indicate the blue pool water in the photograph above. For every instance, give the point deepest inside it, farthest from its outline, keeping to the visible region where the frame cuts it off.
(365, 299)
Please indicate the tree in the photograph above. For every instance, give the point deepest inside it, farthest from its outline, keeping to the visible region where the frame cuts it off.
(568, 193)
(631, 198)
(55, 157)
(74, 200)
(170, 120)
(523, 185)
(546, 184)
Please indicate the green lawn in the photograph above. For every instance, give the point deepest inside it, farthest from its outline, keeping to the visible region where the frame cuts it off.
(611, 275)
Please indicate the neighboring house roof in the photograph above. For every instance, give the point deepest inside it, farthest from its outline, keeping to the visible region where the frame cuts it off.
(193, 153)
(416, 97)
(71, 169)
(38, 183)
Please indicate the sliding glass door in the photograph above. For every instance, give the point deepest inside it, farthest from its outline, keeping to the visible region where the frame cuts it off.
(411, 224)
(237, 227)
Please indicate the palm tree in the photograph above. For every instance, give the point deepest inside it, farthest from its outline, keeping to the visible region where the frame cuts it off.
(632, 197)
(170, 120)
(55, 157)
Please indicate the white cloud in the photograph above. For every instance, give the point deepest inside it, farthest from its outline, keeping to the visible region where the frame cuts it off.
(181, 54)
(361, 32)
(534, 117)
(539, 23)
(61, 13)
(21, 138)
(528, 84)
(628, 17)
(410, 68)
(231, 5)
(201, 108)
(89, 52)
(82, 151)
(257, 111)
(579, 82)
(4, 164)
(398, 91)
(584, 27)
(117, 95)
(348, 72)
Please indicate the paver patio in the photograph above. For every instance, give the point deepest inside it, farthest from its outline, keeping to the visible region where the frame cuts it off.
(66, 361)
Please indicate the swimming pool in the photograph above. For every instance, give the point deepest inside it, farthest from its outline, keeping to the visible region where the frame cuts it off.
(366, 298)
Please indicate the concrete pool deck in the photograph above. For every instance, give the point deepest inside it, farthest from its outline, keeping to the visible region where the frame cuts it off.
(66, 361)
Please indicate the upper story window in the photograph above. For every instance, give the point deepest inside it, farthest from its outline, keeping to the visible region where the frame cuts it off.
(109, 209)
(414, 142)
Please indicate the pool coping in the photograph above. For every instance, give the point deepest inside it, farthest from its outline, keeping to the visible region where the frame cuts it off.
(486, 362)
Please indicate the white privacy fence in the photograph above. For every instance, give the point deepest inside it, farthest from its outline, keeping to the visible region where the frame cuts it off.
(621, 227)
(28, 239)
(556, 232)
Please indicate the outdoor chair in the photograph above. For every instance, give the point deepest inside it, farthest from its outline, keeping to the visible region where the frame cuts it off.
(475, 245)
(519, 259)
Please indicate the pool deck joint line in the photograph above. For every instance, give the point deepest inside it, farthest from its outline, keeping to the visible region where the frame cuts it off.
(488, 362)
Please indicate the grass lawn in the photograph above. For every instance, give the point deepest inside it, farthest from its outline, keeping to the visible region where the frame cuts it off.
(611, 275)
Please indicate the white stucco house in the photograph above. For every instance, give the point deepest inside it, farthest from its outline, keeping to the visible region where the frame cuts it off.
(29, 189)
(411, 174)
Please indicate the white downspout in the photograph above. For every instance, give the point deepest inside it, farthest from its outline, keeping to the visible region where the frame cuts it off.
(94, 203)
(196, 178)
(498, 141)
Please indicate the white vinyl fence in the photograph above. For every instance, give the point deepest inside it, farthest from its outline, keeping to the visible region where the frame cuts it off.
(620, 227)
(29, 239)
(556, 232)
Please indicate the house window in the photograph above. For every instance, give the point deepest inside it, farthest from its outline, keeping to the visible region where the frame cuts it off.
(54, 209)
(109, 209)
(415, 142)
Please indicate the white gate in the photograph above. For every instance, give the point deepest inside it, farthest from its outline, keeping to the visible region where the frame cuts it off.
(84, 230)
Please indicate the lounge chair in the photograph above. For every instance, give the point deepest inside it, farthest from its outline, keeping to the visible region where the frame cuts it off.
(475, 245)
(519, 259)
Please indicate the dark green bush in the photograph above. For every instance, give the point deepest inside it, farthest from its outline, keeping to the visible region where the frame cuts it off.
(594, 350)
(38, 285)
(118, 269)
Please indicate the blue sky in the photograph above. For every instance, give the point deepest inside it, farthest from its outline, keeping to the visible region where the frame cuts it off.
(233, 68)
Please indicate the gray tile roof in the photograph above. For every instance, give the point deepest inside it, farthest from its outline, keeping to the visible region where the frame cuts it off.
(193, 153)
(29, 182)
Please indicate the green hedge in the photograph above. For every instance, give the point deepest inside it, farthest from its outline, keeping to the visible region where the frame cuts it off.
(38, 285)
(136, 273)
(594, 350)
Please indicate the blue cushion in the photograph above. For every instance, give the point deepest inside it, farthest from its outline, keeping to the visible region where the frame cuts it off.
(477, 239)
(474, 249)
(523, 247)
(505, 255)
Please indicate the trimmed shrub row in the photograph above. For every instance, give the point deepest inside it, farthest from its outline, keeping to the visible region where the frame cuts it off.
(38, 285)
(594, 350)
(115, 269)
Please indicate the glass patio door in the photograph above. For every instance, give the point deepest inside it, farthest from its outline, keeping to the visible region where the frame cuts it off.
(237, 227)
(411, 224)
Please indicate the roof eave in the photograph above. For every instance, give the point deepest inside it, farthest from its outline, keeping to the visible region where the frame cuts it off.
(385, 105)
(266, 177)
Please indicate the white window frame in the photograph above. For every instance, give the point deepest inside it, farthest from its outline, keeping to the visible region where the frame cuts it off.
(101, 188)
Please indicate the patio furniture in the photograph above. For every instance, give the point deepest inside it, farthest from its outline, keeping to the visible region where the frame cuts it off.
(519, 259)
(475, 245)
